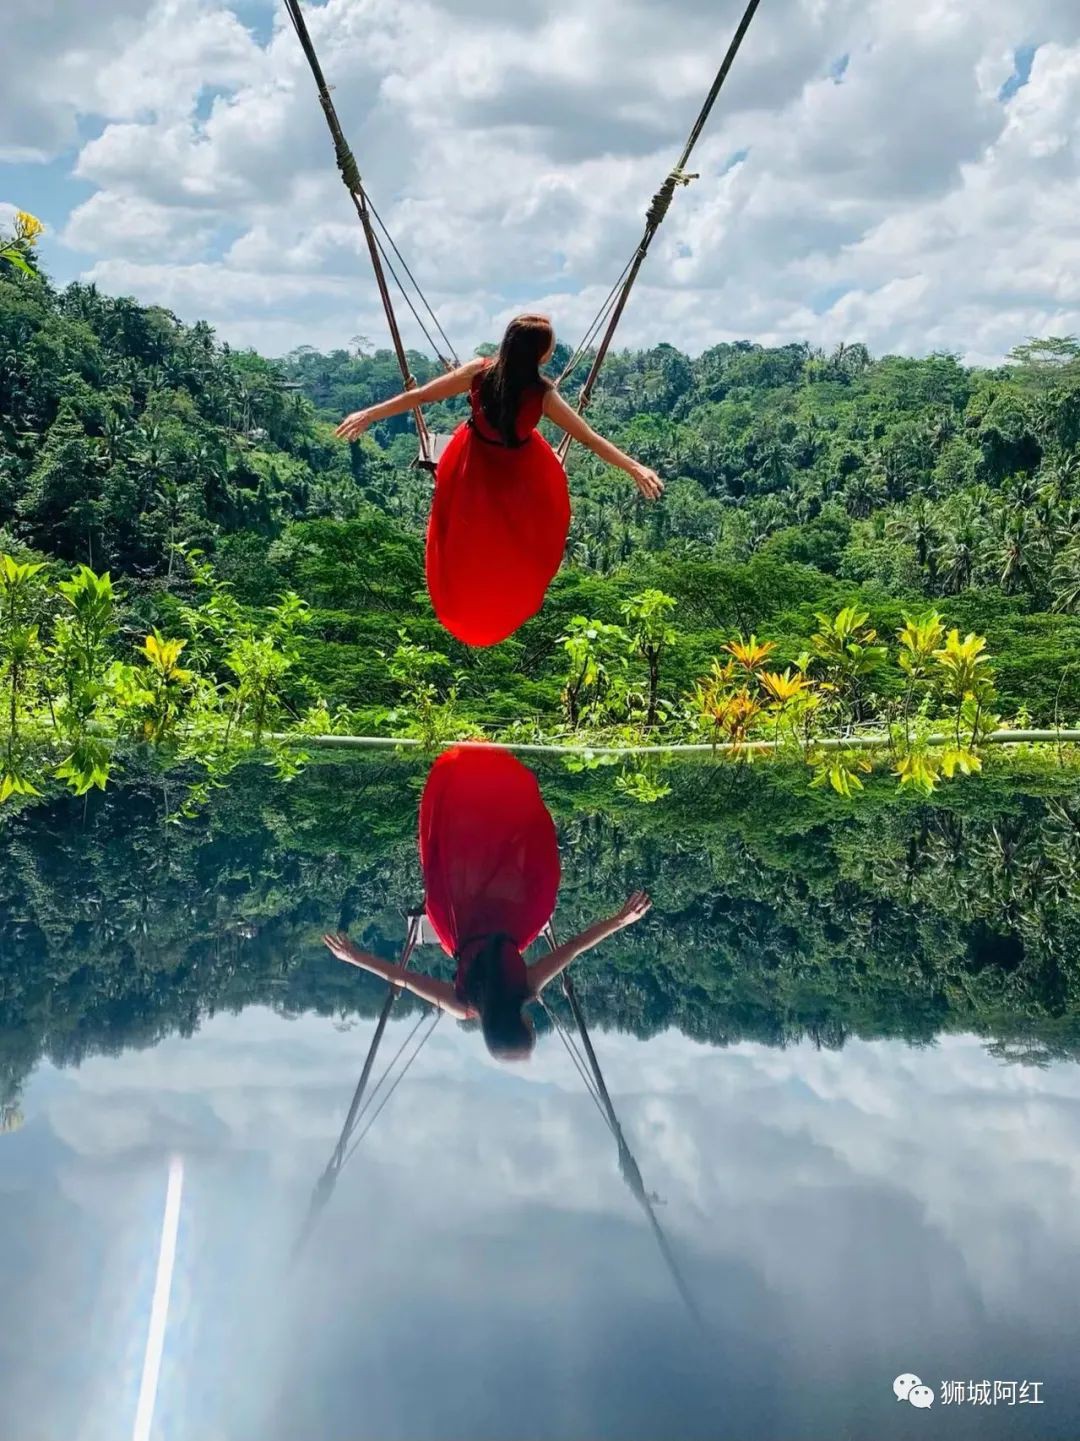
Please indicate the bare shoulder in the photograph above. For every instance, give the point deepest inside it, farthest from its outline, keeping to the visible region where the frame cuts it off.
(554, 404)
(454, 382)
(462, 375)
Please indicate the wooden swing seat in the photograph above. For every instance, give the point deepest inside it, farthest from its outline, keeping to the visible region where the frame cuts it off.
(420, 932)
(436, 445)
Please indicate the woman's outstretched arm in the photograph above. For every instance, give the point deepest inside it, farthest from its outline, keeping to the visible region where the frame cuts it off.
(545, 970)
(438, 993)
(454, 382)
(566, 417)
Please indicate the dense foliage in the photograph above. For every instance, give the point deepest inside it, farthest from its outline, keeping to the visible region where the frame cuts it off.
(188, 556)
(781, 912)
(71, 699)
(798, 484)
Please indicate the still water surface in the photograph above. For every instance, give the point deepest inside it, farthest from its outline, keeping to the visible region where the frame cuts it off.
(890, 1190)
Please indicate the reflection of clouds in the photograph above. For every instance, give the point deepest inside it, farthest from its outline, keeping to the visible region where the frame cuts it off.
(831, 1209)
(928, 1122)
(130, 1121)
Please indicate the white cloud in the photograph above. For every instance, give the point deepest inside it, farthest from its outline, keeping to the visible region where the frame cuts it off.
(49, 61)
(885, 190)
(133, 225)
(183, 48)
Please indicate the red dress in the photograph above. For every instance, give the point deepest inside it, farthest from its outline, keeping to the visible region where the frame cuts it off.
(489, 855)
(498, 526)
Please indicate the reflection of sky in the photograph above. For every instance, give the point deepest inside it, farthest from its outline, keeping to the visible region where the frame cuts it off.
(481, 1270)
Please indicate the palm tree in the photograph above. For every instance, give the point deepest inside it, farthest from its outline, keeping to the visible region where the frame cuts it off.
(1019, 551)
(174, 502)
(1065, 579)
(808, 501)
(1058, 499)
(654, 387)
(847, 361)
(116, 435)
(888, 474)
(939, 428)
(917, 525)
(807, 441)
(770, 515)
(958, 556)
(861, 495)
(1023, 491)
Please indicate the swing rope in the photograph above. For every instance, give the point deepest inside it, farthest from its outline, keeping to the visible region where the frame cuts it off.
(628, 1166)
(397, 1081)
(328, 1180)
(610, 311)
(612, 308)
(575, 1056)
(593, 330)
(350, 174)
(377, 1087)
(416, 286)
(443, 361)
(594, 1085)
(658, 208)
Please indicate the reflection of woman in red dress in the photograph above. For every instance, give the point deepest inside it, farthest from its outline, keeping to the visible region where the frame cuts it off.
(490, 860)
(501, 511)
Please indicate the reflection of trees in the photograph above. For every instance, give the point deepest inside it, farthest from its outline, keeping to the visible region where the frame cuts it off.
(778, 916)
(10, 1114)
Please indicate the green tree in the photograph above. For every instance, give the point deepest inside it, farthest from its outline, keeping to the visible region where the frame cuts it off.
(59, 508)
(648, 618)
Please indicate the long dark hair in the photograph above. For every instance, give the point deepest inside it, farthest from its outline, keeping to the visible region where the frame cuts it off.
(516, 369)
(499, 1001)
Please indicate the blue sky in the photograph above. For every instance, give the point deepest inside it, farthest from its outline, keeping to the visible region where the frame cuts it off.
(900, 175)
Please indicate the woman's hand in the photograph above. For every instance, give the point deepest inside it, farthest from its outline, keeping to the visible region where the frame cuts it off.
(353, 426)
(647, 481)
(637, 906)
(343, 948)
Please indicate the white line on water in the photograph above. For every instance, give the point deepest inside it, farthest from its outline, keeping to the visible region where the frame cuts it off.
(159, 1309)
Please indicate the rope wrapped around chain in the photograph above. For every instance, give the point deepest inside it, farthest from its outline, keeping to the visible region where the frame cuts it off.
(661, 201)
(346, 160)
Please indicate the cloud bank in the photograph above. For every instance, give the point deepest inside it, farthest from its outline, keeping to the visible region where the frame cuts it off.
(901, 174)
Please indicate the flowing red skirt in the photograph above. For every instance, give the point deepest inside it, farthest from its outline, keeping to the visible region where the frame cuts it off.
(488, 849)
(495, 540)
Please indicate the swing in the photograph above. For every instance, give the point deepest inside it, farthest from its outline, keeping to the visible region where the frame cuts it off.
(628, 1166)
(432, 446)
(436, 445)
(419, 931)
(424, 933)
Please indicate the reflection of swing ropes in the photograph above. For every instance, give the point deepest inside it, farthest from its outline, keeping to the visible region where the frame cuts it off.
(628, 1166)
(359, 1108)
(419, 933)
(610, 311)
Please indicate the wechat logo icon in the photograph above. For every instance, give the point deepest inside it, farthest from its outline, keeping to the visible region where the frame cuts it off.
(908, 1387)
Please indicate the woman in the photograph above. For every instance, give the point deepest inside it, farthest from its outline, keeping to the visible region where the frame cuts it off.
(501, 511)
(490, 861)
